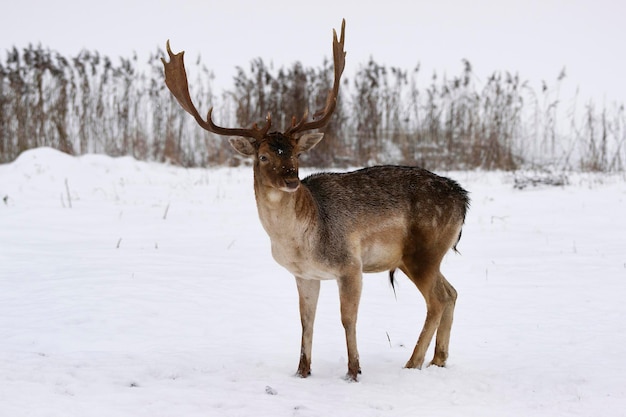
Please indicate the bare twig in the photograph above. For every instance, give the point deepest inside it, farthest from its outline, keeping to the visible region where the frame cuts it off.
(69, 197)
(167, 208)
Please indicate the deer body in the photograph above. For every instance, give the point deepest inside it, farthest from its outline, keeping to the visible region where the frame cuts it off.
(340, 225)
(365, 217)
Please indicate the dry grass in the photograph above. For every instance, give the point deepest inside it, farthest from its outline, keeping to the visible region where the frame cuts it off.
(90, 104)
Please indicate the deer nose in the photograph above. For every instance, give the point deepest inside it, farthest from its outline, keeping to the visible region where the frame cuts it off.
(292, 183)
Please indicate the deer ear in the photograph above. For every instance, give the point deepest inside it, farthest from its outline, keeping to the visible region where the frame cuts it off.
(242, 146)
(309, 140)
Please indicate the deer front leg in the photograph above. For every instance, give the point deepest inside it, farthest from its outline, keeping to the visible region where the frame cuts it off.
(349, 297)
(308, 292)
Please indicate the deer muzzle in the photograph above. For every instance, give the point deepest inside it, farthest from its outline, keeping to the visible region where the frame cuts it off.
(291, 184)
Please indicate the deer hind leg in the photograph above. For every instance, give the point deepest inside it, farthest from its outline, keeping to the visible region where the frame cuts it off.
(308, 292)
(448, 296)
(349, 297)
(440, 298)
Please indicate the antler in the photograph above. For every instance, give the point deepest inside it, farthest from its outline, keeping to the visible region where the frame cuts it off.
(176, 81)
(323, 116)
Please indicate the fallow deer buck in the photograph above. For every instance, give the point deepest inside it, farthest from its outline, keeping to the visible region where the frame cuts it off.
(339, 225)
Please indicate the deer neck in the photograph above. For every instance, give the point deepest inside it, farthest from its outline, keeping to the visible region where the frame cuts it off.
(285, 215)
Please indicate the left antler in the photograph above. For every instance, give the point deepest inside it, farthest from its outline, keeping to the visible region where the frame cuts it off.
(176, 81)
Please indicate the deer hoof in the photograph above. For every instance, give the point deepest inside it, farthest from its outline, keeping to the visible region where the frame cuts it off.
(414, 364)
(438, 363)
(353, 375)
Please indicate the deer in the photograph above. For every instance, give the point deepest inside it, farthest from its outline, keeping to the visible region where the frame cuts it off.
(337, 226)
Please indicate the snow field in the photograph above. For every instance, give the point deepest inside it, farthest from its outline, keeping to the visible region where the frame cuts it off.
(155, 294)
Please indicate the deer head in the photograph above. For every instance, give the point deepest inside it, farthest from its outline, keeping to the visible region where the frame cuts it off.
(275, 154)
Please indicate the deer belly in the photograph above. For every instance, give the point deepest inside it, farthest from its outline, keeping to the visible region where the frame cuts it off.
(381, 251)
(301, 264)
(379, 255)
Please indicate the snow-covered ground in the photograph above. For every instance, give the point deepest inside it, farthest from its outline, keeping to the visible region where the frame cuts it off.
(138, 289)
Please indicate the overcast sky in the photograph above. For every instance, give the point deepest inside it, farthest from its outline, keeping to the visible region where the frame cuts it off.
(535, 38)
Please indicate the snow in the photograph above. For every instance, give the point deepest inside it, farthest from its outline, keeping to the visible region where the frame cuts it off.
(155, 294)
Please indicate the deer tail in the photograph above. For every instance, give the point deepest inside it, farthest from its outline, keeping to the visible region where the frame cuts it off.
(392, 281)
(457, 242)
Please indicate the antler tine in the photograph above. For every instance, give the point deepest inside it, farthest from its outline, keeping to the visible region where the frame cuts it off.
(322, 117)
(295, 125)
(176, 82)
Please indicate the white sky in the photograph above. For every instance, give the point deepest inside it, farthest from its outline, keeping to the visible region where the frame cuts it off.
(535, 38)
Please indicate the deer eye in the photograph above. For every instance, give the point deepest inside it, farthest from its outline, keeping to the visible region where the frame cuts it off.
(263, 158)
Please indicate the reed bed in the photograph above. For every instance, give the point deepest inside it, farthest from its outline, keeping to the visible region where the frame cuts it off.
(90, 103)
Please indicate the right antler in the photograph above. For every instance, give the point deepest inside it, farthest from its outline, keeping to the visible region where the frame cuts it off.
(323, 116)
(176, 81)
